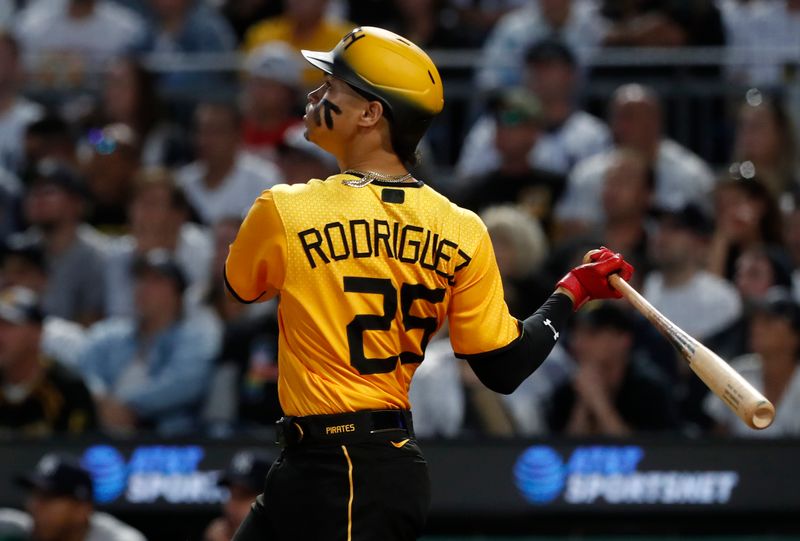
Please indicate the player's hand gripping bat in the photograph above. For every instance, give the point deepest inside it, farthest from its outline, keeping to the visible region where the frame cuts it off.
(749, 404)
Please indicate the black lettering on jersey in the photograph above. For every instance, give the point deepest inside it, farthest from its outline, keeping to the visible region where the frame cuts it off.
(356, 240)
(414, 243)
(390, 195)
(425, 248)
(314, 245)
(396, 237)
(327, 107)
(442, 256)
(465, 260)
(352, 37)
(343, 240)
(382, 234)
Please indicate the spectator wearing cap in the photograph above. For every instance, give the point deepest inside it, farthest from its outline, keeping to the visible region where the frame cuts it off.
(152, 369)
(518, 120)
(60, 505)
(270, 97)
(16, 112)
(569, 134)
(48, 138)
(616, 390)
(299, 159)
(54, 206)
(109, 168)
(636, 121)
(225, 180)
(244, 479)
(747, 215)
(774, 334)
(681, 288)
(158, 218)
(38, 397)
(304, 24)
(23, 265)
(578, 24)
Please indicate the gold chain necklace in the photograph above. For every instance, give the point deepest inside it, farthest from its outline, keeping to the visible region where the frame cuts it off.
(369, 176)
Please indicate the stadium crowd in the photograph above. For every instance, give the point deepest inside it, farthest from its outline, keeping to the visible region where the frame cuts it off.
(123, 181)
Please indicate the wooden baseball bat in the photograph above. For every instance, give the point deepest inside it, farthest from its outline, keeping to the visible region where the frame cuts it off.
(750, 405)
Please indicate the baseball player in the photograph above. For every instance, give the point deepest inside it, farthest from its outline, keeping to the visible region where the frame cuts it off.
(368, 264)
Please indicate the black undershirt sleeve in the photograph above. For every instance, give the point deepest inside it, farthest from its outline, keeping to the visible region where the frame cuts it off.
(503, 370)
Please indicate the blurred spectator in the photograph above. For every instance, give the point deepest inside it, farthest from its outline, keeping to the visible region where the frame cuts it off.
(130, 97)
(681, 177)
(244, 390)
(152, 369)
(766, 146)
(61, 508)
(680, 288)
(109, 169)
(158, 218)
(71, 38)
(49, 138)
(242, 14)
(578, 24)
(429, 25)
(244, 477)
(23, 264)
(520, 248)
(663, 23)
(569, 135)
(37, 397)
(10, 196)
(616, 390)
(480, 16)
(771, 368)
(747, 215)
(626, 201)
(224, 181)
(758, 270)
(188, 26)
(303, 24)
(517, 120)
(16, 112)
(300, 160)
(765, 40)
(270, 96)
(74, 251)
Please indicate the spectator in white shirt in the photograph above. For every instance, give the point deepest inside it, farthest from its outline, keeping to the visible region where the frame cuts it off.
(16, 113)
(680, 288)
(570, 135)
(77, 36)
(158, 219)
(771, 368)
(224, 181)
(681, 177)
(576, 23)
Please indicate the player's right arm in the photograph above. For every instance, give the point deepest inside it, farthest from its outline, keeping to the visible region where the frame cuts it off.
(256, 264)
(481, 326)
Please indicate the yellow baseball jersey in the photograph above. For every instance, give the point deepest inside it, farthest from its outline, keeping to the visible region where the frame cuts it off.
(366, 276)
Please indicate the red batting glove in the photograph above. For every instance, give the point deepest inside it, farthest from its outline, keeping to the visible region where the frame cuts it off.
(590, 280)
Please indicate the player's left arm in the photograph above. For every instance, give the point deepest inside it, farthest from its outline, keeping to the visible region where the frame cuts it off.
(256, 264)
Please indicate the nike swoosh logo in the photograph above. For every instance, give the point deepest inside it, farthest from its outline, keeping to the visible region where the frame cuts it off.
(399, 444)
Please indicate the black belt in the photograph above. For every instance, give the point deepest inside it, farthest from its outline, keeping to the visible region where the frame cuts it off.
(344, 428)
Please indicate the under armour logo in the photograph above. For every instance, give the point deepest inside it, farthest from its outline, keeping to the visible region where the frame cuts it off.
(548, 323)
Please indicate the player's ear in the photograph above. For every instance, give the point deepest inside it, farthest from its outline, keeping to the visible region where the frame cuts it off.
(371, 114)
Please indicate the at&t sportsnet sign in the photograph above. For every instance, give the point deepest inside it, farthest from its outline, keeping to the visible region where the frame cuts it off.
(170, 474)
(612, 475)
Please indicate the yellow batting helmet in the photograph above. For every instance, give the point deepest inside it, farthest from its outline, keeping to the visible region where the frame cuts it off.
(390, 68)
